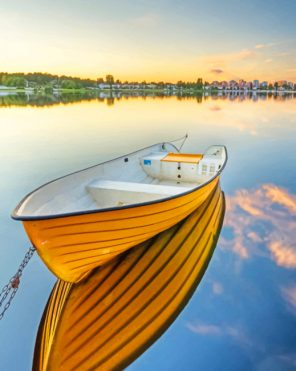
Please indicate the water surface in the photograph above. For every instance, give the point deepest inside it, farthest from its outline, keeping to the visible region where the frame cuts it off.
(243, 314)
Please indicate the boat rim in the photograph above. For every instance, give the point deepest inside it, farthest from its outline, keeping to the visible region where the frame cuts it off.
(109, 209)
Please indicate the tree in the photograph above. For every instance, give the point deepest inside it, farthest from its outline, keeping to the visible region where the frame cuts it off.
(180, 83)
(68, 84)
(110, 79)
(199, 83)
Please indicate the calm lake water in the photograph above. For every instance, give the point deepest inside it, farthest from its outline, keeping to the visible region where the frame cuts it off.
(243, 314)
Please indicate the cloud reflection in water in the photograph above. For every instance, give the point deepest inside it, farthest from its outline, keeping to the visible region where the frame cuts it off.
(259, 218)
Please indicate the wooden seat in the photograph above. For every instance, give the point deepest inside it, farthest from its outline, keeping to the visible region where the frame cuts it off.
(183, 157)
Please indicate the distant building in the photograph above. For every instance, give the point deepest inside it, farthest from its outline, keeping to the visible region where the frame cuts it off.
(232, 84)
(224, 84)
(282, 83)
(104, 86)
(255, 84)
(215, 84)
(248, 85)
(4, 87)
(241, 84)
(264, 85)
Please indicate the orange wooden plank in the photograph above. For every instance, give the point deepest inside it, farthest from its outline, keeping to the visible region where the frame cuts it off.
(191, 158)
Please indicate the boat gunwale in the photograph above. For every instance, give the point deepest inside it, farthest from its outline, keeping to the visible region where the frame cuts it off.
(15, 216)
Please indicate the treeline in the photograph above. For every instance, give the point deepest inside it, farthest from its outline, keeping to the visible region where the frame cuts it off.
(50, 81)
(38, 79)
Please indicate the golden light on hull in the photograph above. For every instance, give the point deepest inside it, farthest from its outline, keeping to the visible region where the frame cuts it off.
(109, 319)
(71, 247)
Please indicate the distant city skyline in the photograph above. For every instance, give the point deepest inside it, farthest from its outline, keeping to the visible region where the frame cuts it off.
(156, 40)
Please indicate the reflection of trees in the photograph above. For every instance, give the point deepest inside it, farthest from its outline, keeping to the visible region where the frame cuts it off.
(110, 101)
(46, 100)
(199, 98)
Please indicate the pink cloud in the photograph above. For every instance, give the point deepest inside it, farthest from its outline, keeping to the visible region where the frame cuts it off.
(281, 196)
(215, 108)
(283, 255)
(217, 70)
(249, 209)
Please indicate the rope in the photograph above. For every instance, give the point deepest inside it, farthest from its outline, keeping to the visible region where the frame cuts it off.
(13, 284)
(178, 140)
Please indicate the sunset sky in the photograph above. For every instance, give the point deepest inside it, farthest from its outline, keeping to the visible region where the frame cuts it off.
(151, 39)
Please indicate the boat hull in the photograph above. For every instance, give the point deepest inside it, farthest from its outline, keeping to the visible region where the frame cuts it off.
(72, 246)
(120, 309)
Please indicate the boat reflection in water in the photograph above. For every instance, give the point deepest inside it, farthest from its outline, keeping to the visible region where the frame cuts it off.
(121, 308)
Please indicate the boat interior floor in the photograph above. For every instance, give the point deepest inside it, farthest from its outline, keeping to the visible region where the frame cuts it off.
(109, 193)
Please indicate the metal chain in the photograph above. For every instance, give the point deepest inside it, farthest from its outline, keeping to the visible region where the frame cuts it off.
(14, 282)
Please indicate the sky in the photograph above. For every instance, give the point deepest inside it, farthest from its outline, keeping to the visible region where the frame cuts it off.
(152, 40)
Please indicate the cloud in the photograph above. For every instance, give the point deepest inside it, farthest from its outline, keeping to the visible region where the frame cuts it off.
(221, 59)
(283, 255)
(281, 196)
(263, 46)
(277, 362)
(234, 332)
(262, 222)
(204, 329)
(289, 295)
(260, 46)
(217, 70)
(217, 288)
(215, 108)
(244, 54)
(283, 54)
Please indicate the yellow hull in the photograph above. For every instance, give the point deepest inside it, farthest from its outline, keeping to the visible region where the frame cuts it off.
(72, 246)
(109, 319)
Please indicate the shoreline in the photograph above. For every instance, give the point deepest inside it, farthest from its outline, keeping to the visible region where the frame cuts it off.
(148, 90)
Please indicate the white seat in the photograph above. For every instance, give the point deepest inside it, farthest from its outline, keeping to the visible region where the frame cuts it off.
(137, 187)
(114, 193)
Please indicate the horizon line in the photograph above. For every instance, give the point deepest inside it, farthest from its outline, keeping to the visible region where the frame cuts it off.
(143, 79)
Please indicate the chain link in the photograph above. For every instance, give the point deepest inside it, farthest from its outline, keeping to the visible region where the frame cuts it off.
(14, 282)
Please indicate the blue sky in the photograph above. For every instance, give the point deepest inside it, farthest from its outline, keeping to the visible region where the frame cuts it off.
(151, 39)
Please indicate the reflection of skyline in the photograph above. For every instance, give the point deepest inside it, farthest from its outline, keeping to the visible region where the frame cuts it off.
(10, 99)
(259, 218)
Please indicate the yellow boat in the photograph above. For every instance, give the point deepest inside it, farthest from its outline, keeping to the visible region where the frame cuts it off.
(106, 321)
(84, 219)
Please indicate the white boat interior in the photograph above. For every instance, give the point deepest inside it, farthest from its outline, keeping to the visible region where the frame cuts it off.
(150, 174)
